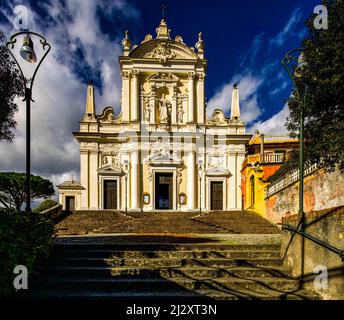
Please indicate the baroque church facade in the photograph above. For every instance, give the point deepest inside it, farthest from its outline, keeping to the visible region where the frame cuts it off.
(161, 152)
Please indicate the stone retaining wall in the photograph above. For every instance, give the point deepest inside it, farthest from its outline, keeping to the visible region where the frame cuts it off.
(326, 225)
(322, 190)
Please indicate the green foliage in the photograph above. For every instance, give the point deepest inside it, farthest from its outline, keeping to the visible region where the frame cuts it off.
(25, 239)
(44, 205)
(13, 189)
(324, 79)
(11, 86)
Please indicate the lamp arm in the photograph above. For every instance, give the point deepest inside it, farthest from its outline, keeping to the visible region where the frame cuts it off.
(11, 44)
(45, 45)
(286, 64)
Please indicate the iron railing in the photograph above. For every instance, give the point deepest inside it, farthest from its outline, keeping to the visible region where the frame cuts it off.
(322, 243)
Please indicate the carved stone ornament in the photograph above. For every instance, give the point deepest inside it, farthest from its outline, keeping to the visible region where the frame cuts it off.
(218, 119)
(150, 175)
(163, 52)
(179, 175)
(216, 162)
(160, 149)
(148, 37)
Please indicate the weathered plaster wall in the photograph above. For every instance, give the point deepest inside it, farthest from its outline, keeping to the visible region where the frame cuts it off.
(322, 190)
(326, 225)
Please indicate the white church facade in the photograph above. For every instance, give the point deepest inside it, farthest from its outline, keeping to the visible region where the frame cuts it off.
(161, 152)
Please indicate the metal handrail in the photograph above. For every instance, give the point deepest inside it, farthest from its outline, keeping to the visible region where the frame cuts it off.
(322, 243)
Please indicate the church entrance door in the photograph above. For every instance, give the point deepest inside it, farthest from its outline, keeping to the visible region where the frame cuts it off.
(163, 191)
(110, 194)
(216, 195)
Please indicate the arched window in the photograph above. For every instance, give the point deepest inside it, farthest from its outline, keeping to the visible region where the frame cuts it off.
(252, 190)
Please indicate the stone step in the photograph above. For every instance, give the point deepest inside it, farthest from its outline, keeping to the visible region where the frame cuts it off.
(161, 284)
(169, 262)
(166, 272)
(207, 246)
(170, 295)
(200, 272)
(200, 254)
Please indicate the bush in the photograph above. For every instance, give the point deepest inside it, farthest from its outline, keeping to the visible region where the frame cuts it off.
(25, 239)
(44, 205)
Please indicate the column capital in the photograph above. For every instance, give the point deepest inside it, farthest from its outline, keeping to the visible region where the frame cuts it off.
(201, 76)
(126, 74)
(135, 73)
(191, 75)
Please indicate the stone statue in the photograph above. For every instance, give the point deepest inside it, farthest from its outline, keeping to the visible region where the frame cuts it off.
(105, 160)
(180, 113)
(115, 160)
(164, 109)
(110, 117)
(146, 112)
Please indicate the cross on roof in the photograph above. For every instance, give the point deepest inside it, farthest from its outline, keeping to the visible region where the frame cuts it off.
(163, 8)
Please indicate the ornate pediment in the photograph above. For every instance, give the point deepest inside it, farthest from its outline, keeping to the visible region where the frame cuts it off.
(110, 170)
(218, 172)
(163, 51)
(163, 77)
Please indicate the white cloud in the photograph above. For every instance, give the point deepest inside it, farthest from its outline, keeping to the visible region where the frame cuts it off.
(275, 124)
(251, 54)
(288, 29)
(58, 91)
(248, 87)
(282, 87)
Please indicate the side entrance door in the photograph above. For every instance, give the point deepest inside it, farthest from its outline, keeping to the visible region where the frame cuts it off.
(70, 203)
(216, 195)
(110, 194)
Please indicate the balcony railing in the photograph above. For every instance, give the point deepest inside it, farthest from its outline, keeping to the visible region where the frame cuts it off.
(266, 158)
(289, 179)
(272, 157)
(279, 137)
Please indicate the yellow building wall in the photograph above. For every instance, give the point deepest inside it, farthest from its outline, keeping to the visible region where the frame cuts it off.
(259, 191)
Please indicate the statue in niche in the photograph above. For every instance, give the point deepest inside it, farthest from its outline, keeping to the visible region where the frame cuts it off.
(114, 161)
(146, 112)
(164, 108)
(180, 113)
(105, 160)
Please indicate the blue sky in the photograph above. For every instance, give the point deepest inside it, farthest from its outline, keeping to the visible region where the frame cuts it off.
(245, 42)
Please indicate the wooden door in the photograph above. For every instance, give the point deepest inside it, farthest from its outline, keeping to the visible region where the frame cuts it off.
(164, 191)
(70, 203)
(110, 194)
(216, 195)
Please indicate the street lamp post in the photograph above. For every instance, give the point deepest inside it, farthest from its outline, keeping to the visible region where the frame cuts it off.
(126, 170)
(200, 168)
(28, 54)
(294, 62)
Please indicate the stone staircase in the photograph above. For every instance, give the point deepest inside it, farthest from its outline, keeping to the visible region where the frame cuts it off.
(169, 266)
(222, 222)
